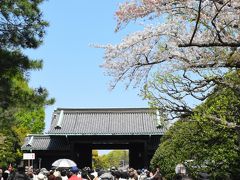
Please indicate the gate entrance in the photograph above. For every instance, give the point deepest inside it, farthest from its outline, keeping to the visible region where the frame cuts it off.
(74, 133)
(136, 152)
(107, 159)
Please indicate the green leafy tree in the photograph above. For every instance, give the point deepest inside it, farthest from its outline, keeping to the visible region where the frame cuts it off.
(21, 107)
(113, 158)
(95, 158)
(212, 147)
(8, 145)
(116, 157)
(21, 24)
(101, 162)
(19, 120)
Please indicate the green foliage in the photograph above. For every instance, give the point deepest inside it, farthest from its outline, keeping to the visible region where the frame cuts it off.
(100, 162)
(206, 138)
(21, 107)
(16, 121)
(113, 158)
(13, 80)
(212, 148)
(94, 153)
(95, 158)
(9, 148)
(21, 24)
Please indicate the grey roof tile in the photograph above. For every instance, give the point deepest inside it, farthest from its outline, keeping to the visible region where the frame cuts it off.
(116, 121)
(44, 142)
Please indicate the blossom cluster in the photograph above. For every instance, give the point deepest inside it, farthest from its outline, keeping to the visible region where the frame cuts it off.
(189, 48)
(173, 43)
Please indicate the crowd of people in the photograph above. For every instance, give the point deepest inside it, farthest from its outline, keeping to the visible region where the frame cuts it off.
(74, 173)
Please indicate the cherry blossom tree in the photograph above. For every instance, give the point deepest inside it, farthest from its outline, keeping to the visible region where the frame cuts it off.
(186, 49)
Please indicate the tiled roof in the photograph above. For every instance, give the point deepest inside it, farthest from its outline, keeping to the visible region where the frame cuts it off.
(111, 121)
(44, 142)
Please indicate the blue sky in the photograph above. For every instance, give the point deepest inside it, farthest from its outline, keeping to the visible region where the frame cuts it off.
(71, 71)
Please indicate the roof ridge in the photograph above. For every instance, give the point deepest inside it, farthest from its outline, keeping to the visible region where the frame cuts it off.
(104, 109)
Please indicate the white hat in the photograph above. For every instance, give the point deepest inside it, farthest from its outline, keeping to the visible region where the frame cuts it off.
(44, 171)
(7, 171)
(57, 174)
(41, 176)
(95, 174)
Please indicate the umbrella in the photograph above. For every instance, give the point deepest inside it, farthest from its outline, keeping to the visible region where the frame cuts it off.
(67, 163)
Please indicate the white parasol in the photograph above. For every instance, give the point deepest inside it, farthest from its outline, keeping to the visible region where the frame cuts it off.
(67, 163)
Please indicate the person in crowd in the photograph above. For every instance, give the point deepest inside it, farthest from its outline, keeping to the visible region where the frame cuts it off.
(41, 176)
(74, 171)
(94, 175)
(30, 175)
(35, 173)
(4, 175)
(57, 175)
(156, 174)
(142, 174)
(44, 171)
(87, 176)
(11, 172)
(117, 175)
(64, 174)
(132, 173)
(20, 174)
(51, 175)
(124, 175)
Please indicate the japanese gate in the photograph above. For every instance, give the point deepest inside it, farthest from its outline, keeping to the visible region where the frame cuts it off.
(74, 133)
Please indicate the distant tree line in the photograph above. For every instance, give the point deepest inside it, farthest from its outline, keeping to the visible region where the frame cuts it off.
(115, 158)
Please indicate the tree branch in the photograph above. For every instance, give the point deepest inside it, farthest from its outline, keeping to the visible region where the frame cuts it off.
(225, 44)
(197, 21)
